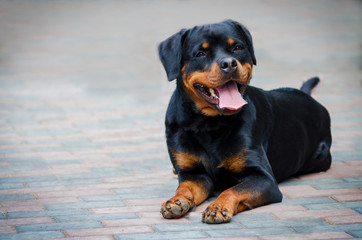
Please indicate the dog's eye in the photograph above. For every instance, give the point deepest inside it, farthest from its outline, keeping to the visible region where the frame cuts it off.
(237, 48)
(200, 54)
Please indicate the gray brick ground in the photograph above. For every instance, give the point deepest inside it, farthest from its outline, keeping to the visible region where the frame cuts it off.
(82, 104)
(332, 228)
(222, 233)
(32, 235)
(89, 217)
(16, 197)
(281, 223)
(58, 226)
(163, 235)
(86, 205)
(51, 213)
(195, 227)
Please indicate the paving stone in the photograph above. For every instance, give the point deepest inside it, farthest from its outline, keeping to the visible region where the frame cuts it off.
(25, 221)
(333, 205)
(303, 201)
(102, 198)
(356, 233)
(312, 236)
(6, 230)
(84, 205)
(32, 235)
(94, 217)
(311, 214)
(52, 213)
(195, 227)
(109, 237)
(29, 179)
(57, 226)
(281, 223)
(358, 209)
(357, 218)
(16, 197)
(163, 235)
(248, 232)
(349, 197)
(331, 228)
(11, 185)
(110, 231)
(71, 182)
(148, 220)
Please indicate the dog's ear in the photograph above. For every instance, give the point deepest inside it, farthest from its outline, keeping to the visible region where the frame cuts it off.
(245, 32)
(170, 52)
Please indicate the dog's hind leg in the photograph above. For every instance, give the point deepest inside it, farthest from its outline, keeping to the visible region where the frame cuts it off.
(322, 158)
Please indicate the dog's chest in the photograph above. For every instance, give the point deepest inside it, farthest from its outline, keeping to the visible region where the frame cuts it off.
(220, 154)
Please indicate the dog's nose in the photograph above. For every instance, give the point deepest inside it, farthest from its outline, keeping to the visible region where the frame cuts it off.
(228, 65)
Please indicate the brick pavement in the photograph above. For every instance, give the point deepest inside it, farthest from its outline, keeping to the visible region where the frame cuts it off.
(82, 102)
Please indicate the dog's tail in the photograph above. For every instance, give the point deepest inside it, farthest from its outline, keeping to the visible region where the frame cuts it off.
(309, 85)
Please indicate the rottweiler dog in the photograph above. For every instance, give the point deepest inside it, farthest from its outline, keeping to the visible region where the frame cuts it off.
(224, 135)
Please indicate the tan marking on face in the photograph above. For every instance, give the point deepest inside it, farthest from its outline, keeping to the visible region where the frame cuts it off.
(205, 45)
(209, 79)
(183, 69)
(245, 72)
(231, 41)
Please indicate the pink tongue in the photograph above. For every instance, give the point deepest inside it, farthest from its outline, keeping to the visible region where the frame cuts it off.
(230, 97)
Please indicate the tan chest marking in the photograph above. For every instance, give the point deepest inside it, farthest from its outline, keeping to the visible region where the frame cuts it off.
(186, 160)
(235, 163)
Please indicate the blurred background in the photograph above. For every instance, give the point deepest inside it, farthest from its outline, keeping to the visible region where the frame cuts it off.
(71, 50)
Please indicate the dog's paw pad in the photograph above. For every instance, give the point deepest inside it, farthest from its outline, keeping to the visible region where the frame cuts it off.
(216, 214)
(176, 207)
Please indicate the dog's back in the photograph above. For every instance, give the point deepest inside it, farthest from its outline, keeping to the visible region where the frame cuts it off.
(302, 129)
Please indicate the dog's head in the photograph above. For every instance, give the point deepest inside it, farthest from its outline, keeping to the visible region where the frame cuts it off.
(213, 64)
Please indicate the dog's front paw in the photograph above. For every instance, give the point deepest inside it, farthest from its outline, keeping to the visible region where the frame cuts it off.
(217, 213)
(176, 207)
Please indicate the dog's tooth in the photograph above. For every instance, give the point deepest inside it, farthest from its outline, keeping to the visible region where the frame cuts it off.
(212, 92)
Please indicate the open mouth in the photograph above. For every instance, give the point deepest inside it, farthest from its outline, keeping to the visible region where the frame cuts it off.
(228, 96)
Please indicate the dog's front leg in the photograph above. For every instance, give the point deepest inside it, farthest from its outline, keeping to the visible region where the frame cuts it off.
(253, 191)
(192, 190)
